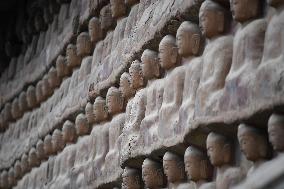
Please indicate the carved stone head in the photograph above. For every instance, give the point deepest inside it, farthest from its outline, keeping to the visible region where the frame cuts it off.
(125, 86)
(253, 142)
(276, 131)
(69, 132)
(7, 111)
(33, 159)
(39, 92)
(61, 66)
(114, 101)
(212, 19)
(168, 52)
(53, 78)
(89, 109)
(40, 150)
(57, 140)
(106, 18)
(118, 8)
(275, 3)
(243, 10)
(31, 97)
(23, 104)
(11, 177)
(25, 163)
(131, 178)
(189, 39)
(100, 109)
(150, 64)
(173, 167)
(152, 174)
(82, 125)
(83, 45)
(15, 110)
(72, 58)
(48, 150)
(4, 179)
(95, 30)
(136, 74)
(18, 169)
(219, 149)
(197, 165)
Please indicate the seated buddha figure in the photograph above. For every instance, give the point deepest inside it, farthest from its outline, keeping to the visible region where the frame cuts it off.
(152, 174)
(247, 52)
(268, 79)
(125, 86)
(114, 101)
(189, 42)
(131, 178)
(168, 124)
(254, 145)
(220, 152)
(95, 30)
(216, 58)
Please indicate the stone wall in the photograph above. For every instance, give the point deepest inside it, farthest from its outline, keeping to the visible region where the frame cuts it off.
(131, 94)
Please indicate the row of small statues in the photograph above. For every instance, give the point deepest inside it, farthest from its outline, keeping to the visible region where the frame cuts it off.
(64, 65)
(198, 168)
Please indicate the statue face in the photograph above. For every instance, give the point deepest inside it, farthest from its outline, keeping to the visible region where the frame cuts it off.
(276, 133)
(100, 111)
(275, 3)
(167, 55)
(211, 22)
(95, 31)
(106, 17)
(150, 64)
(248, 143)
(172, 170)
(71, 54)
(83, 44)
(244, 10)
(215, 152)
(114, 103)
(192, 168)
(149, 177)
(130, 182)
(136, 77)
(125, 86)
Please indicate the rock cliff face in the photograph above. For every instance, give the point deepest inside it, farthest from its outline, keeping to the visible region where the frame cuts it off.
(150, 93)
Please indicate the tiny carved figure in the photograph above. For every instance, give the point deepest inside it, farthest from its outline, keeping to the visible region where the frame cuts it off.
(72, 58)
(69, 132)
(95, 30)
(83, 45)
(131, 178)
(114, 101)
(118, 8)
(276, 132)
(106, 18)
(150, 64)
(125, 86)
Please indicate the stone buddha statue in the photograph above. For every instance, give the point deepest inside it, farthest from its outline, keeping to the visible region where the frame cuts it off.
(46, 87)
(34, 161)
(23, 104)
(16, 113)
(100, 110)
(106, 19)
(168, 52)
(118, 8)
(125, 86)
(220, 152)
(149, 125)
(152, 174)
(114, 101)
(69, 132)
(83, 45)
(150, 64)
(131, 178)
(18, 170)
(39, 92)
(95, 30)
(89, 109)
(73, 60)
(168, 124)
(254, 145)
(216, 58)
(276, 131)
(31, 97)
(53, 79)
(57, 141)
(4, 179)
(40, 150)
(174, 169)
(247, 51)
(48, 149)
(61, 66)
(190, 44)
(25, 164)
(136, 74)
(197, 167)
(82, 125)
